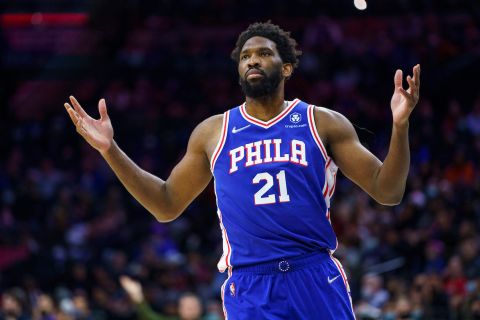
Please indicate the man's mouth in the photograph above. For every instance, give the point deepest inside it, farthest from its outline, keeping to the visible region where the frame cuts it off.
(254, 74)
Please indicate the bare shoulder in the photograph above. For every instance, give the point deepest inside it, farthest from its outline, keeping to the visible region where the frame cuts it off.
(210, 126)
(332, 125)
(207, 133)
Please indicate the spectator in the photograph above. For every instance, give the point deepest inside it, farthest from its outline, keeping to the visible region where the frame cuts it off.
(13, 305)
(189, 304)
(373, 292)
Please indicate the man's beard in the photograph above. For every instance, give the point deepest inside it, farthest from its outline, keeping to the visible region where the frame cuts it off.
(262, 87)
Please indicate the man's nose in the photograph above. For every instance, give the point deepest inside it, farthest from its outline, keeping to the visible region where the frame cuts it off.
(253, 62)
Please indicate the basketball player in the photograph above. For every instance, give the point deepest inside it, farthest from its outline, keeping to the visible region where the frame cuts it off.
(273, 181)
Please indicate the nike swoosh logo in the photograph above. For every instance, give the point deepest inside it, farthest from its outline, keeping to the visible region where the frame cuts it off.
(333, 279)
(235, 130)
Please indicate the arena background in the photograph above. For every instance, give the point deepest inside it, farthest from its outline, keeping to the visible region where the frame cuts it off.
(68, 229)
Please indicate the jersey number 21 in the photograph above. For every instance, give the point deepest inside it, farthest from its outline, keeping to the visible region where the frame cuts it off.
(261, 198)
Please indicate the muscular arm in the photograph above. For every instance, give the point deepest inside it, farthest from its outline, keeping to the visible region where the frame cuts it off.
(384, 182)
(166, 200)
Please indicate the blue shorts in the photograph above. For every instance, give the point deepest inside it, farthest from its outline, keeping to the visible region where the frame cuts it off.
(312, 286)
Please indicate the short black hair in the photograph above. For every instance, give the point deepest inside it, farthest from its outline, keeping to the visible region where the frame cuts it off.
(285, 44)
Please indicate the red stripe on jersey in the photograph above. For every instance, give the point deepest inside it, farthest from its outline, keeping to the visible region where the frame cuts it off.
(313, 129)
(328, 163)
(334, 183)
(227, 257)
(221, 143)
(340, 268)
(229, 249)
(223, 299)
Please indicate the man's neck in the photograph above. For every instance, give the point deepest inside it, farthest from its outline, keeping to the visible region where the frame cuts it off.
(265, 108)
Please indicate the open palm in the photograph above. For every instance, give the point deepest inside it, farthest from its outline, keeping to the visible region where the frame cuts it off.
(98, 133)
(403, 101)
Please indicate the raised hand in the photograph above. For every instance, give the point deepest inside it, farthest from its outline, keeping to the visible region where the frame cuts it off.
(98, 133)
(403, 101)
(133, 289)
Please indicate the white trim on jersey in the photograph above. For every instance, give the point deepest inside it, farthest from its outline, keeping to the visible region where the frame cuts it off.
(328, 190)
(345, 280)
(224, 262)
(314, 132)
(325, 184)
(221, 140)
(222, 293)
(331, 170)
(271, 122)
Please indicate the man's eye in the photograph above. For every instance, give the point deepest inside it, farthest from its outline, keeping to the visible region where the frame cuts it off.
(244, 57)
(266, 54)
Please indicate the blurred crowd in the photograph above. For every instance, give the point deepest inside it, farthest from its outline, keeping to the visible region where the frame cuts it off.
(69, 232)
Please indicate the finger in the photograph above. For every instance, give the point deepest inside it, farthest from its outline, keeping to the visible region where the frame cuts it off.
(78, 107)
(72, 113)
(81, 129)
(102, 109)
(80, 125)
(406, 94)
(412, 84)
(416, 75)
(397, 79)
(415, 90)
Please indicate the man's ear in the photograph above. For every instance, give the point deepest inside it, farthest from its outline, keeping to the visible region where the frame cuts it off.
(287, 70)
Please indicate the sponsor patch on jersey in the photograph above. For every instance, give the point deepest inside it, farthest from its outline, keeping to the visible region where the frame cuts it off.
(295, 117)
(290, 126)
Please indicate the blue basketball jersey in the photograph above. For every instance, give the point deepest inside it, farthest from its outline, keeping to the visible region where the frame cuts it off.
(273, 183)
